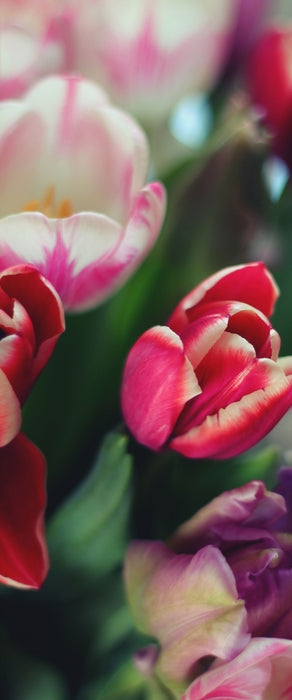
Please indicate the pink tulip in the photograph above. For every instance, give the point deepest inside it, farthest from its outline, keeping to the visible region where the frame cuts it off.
(31, 320)
(74, 202)
(210, 384)
(35, 39)
(269, 74)
(148, 54)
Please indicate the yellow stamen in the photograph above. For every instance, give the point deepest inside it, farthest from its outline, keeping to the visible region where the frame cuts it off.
(49, 207)
(65, 209)
(33, 205)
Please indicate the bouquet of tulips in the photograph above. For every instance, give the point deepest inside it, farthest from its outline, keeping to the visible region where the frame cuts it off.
(145, 422)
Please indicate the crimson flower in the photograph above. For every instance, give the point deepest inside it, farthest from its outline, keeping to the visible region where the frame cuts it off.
(31, 320)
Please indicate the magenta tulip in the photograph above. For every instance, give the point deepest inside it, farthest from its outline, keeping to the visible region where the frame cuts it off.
(210, 383)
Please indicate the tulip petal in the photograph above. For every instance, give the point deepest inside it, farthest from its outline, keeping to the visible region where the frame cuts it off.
(94, 154)
(240, 373)
(199, 337)
(10, 413)
(45, 310)
(85, 256)
(242, 514)
(252, 674)
(21, 142)
(251, 284)
(16, 363)
(241, 424)
(158, 380)
(23, 552)
(189, 603)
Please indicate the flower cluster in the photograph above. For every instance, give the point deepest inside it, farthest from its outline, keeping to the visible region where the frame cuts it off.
(218, 597)
(80, 209)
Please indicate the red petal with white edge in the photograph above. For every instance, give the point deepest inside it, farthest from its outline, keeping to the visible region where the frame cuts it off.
(23, 551)
(44, 307)
(200, 336)
(252, 284)
(158, 380)
(229, 371)
(242, 424)
(16, 363)
(10, 413)
(286, 364)
(261, 672)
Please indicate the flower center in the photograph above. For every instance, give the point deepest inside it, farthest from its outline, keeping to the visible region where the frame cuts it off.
(49, 206)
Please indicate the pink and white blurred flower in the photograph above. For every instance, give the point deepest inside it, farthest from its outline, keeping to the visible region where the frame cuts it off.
(210, 383)
(149, 53)
(269, 74)
(74, 202)
(226, 576)
(35, 39)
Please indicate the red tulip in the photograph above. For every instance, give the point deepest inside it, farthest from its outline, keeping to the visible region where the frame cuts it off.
(31, 320)
(210, 384)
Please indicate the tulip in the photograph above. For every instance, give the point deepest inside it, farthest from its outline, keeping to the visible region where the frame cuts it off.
(176, 597)
(73, 197)
(35, 39)
(246, 525)
(31, 320)
(269, 74)
(210, 384)
(149, 53)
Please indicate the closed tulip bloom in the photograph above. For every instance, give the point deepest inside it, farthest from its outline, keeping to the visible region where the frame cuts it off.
(210, 383)
(74, 202)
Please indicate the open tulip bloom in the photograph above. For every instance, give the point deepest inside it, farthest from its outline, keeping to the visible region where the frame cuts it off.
(74, 202)
(31, 320)
(221, 591)
(210, 383)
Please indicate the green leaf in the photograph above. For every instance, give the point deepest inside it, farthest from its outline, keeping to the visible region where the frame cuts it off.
(87, 536)
(32, 679)
(126, 684)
